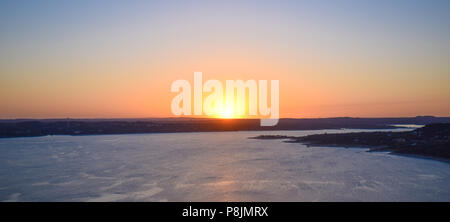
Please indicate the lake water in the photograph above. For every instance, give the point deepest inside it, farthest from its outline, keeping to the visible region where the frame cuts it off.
(213, 166)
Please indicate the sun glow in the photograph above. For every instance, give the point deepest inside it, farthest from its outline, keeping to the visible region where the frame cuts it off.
(230, 111)
(240, 99)
(226, 113)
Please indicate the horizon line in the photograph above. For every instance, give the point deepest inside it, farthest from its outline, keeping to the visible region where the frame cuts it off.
(143, 118)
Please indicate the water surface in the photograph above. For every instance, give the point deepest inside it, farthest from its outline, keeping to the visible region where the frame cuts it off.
(213, 166)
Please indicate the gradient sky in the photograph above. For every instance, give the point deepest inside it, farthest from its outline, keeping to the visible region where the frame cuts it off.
(94, 59)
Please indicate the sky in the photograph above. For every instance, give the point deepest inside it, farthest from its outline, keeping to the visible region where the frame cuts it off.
(117, 59)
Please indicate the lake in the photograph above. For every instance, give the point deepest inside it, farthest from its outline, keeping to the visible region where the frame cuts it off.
(210, 166)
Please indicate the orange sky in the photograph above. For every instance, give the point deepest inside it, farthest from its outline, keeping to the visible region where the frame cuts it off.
(120, 61)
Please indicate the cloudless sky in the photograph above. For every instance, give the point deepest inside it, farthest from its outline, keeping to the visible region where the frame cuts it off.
(81, 59)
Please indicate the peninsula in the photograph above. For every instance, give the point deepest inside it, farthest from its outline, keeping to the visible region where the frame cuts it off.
(433, 140)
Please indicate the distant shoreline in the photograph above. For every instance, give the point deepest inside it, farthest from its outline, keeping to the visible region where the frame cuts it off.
(33, 128)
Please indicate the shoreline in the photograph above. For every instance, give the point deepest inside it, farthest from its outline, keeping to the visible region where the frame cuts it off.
(28, 128)
(368, 149)
(390, 152)
(217, 131)
(431, 141)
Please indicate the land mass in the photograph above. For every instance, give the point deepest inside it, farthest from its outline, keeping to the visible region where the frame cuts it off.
(43, 127)
(433, 140)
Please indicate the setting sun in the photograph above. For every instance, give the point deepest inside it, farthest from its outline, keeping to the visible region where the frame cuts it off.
(226, 113)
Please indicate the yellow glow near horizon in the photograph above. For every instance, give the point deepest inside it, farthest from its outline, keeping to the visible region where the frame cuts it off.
(226, 113)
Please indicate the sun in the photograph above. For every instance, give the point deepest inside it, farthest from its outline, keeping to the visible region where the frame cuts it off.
(226, 113)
